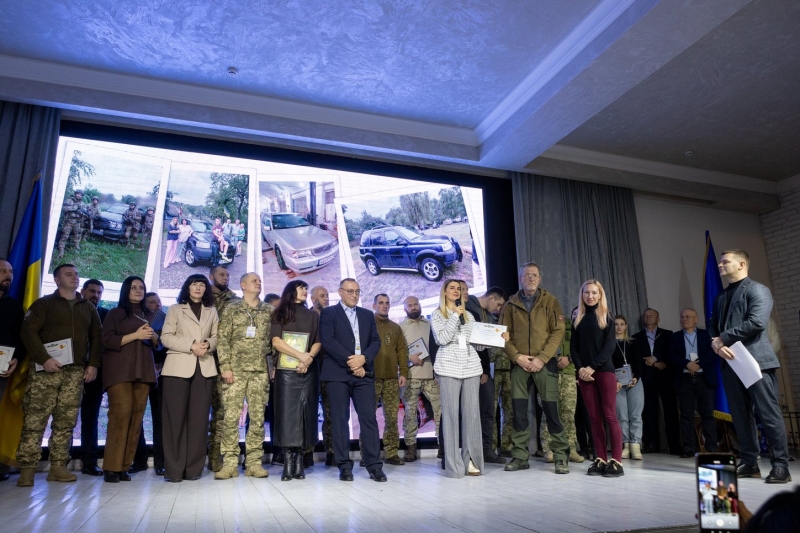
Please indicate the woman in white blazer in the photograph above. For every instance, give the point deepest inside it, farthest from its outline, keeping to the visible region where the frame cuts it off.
(190, 335)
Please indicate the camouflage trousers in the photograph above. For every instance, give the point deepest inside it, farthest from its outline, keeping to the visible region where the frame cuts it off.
(428, 387)
(567, 401)
(50, 393)
(131, 234)
(144, 244)
(387, 391)
(217, 420)
(502, 393)
(255, 387)
(74, 228)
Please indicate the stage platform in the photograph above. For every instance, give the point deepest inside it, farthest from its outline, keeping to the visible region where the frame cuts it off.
(657, 494)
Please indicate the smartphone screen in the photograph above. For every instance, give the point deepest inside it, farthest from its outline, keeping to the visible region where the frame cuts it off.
(717, 492)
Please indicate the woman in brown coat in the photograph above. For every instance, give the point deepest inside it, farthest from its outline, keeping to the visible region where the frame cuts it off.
(128, 374)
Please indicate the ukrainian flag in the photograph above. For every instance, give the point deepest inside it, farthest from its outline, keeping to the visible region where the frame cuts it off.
(26, 259)
(712, 286)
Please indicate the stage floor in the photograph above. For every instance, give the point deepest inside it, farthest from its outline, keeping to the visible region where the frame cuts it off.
(658, 492)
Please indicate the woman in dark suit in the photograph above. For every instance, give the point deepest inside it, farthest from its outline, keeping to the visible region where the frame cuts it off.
(129, 372)
(296, 390)
(190, 335)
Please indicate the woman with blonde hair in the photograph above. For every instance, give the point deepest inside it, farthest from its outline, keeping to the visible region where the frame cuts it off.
(591, 348)
(627, 360)
(458, 369)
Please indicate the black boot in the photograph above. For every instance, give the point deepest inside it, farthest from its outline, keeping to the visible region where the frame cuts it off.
(288, 465)
(298, 458)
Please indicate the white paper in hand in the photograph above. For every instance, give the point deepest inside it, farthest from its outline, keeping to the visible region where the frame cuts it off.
(745, 365)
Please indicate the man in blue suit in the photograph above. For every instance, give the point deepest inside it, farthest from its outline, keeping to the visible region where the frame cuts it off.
(695, 372)
(741, 313)
(351, 343)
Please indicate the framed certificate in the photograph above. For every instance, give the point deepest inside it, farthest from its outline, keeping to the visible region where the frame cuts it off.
(61, 351)
(6, 353)
(419, 349)
(298, 341)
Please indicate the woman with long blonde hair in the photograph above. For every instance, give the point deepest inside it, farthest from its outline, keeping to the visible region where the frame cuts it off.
(591, 348)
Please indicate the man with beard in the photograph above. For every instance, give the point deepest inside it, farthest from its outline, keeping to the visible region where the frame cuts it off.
(92, 393)
(11, 316)
(319, 301)
(222, 297)
(417, 331)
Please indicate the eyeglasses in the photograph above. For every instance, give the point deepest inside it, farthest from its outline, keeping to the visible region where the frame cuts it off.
(532, 276)
(352, 292)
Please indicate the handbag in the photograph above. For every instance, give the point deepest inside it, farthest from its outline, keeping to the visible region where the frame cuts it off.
(624, 373)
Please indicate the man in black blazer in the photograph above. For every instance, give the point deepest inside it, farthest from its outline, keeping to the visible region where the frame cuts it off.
(741, 314)
(695, 373)
(351, 343)
(658, 384)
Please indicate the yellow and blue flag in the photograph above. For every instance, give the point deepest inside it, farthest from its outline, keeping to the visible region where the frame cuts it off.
(712, 286)
(26, 259)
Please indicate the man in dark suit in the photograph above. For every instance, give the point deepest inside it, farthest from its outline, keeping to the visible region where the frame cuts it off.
(695, 374)
(351, 343)
(657, 380)
(92, 393)
(741, 314)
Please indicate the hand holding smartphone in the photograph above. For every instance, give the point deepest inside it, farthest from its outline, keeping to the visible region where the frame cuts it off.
(717, 492)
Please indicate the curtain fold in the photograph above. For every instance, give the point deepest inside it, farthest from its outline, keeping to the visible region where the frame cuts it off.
(577, 231)
(28, 144)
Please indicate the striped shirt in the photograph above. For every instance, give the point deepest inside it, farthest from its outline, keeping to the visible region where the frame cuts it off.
(451, 360)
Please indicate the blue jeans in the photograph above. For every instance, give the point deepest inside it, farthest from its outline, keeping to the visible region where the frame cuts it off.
(630, 402)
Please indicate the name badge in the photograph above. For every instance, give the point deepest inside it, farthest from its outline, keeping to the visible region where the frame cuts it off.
(251, 332)
(462, 342)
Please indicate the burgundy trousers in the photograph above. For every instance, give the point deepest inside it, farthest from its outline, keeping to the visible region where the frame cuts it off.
(600, 397)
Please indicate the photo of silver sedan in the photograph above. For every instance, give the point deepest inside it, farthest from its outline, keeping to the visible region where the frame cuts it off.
(298, 245)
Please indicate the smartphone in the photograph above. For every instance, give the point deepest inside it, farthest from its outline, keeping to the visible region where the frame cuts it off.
(717, 492)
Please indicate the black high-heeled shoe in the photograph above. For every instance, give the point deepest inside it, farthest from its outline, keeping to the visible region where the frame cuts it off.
(288, 465)
(299, 471)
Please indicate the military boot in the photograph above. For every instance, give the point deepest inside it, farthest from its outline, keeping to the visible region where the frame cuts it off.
(227, 472)
(575, 457)
(411, 453)
(256, 471)
(214, 461)
(26, 477)
(60, 473)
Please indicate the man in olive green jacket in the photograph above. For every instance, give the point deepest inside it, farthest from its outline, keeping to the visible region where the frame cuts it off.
(535, 324)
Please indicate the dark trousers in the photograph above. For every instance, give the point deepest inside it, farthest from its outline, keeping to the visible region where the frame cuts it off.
(763, 396)
(90, 413)
(487, 408)
(362, 392)
(583, 427)
(187, 402)
(661, 387)
(158, 437)
(694, 392)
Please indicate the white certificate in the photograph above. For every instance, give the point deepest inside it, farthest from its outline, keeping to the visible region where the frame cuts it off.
(61, 351)
(744, 364)
(488, 334)
(418, 348)
(6, 353)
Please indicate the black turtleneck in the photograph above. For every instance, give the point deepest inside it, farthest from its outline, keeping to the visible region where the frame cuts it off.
(196, 307)
(591, 346)
(730, 291)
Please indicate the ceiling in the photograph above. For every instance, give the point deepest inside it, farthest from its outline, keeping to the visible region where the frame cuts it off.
(613, 91)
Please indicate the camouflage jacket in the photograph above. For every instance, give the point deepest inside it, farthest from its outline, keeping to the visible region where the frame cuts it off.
(223, 299)
(94, 211)
(72, 209)
(148, 222)
(235, 351)
(570, 368)
(132, 217)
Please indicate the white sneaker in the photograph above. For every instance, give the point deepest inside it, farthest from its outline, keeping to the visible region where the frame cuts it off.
(626, 451)
(472, 470)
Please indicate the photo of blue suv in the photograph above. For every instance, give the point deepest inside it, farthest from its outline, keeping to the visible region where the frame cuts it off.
(401, 248)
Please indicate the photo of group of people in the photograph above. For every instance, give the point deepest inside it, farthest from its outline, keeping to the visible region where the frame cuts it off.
(719, 500)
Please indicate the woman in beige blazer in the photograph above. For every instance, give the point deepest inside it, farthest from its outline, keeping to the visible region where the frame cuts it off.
(190, 335)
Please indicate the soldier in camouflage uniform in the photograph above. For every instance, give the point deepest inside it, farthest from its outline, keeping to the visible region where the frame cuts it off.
(502, 393)
(56, 389)
(132, 219)
(147, 234)
(73, 212)
(242, 347)
(93, 211)
(222, 297)
(567, 400)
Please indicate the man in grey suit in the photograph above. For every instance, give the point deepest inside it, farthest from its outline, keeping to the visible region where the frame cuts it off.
(741, 313)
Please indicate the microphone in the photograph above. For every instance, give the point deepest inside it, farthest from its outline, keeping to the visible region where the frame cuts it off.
(460, 317)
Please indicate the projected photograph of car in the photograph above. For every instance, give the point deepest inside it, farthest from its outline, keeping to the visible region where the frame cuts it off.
(202, 246)
(297, 244)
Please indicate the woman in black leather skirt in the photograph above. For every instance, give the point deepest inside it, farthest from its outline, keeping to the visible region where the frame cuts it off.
(296, 377)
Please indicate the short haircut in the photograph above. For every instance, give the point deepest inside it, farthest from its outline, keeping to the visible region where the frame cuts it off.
(4, 259)
(245, 276)
(653, 310)
(90, 282)
(150, 294)
(692, 309)
(740, 254)
(62, 265)
(497, 292)
(271, 296)
(214, 269)
(345, 280)
(375, 300)
(526, 265)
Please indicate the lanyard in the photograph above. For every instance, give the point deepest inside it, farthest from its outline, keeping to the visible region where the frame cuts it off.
(246, 310)
(692, 343)
(622, 348)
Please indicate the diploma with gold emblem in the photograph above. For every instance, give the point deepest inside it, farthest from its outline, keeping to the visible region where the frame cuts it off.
(488, 334)
(61, 351)
(6, 353)
(298, 341)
